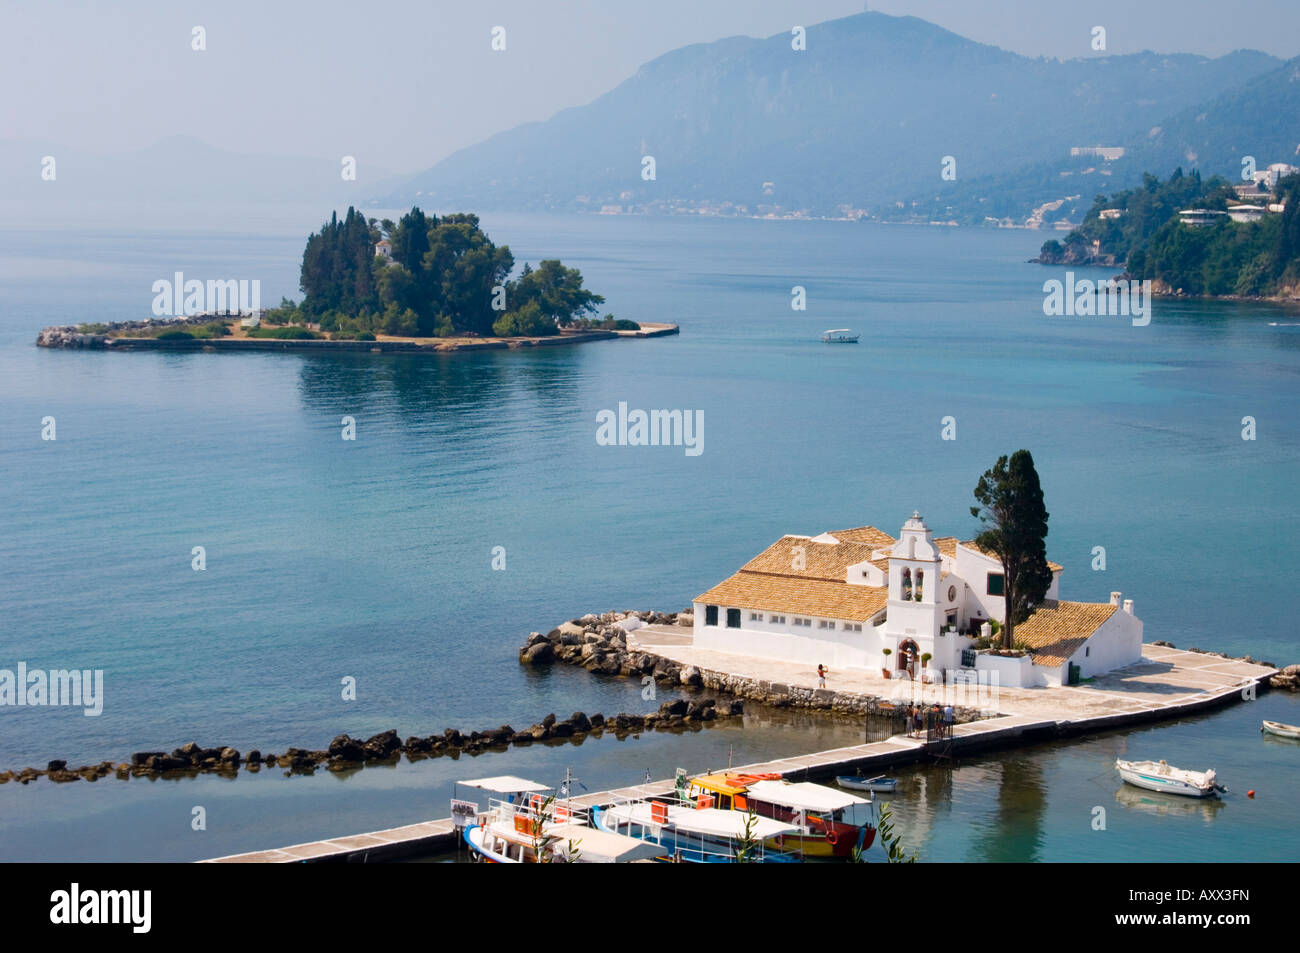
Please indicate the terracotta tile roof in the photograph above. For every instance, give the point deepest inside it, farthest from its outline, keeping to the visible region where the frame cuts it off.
(795, 596)
(970, 544)
(947, 545)
(820, 560)
(1056, 629)
(875, 538)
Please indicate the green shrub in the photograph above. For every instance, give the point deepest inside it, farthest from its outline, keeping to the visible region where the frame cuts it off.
(293, 332)
(286, 313)
(213, 329)
(528, 321)
(612, 323)
(175, 336)
(365, 336)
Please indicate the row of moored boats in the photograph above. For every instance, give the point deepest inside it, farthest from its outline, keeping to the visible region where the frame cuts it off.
(726, 817)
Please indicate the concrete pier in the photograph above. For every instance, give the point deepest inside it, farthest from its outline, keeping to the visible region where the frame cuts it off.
(1168, 683)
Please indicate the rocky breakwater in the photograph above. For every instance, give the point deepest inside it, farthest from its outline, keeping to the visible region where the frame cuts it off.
(128, 332)
(347, 754)
(1288, 678)
(69, 336)
(599, 643)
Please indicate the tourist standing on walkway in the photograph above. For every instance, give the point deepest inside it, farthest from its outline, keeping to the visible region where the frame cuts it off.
(821, 675)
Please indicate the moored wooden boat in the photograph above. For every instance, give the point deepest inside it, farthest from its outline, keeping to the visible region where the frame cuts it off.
(1161, 776)
(1280, 729)
(821, 814)
(880, 785)
(532, 829)
(697, 835)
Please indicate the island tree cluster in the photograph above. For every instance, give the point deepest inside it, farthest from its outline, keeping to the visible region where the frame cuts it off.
(443, 276)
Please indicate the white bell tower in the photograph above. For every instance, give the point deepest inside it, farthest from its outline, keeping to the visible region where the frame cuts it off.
(914, 570)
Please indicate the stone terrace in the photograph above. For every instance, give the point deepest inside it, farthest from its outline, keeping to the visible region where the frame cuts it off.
(1165, 678)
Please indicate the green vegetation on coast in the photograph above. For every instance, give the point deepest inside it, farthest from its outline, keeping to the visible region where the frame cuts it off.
(1144, 233)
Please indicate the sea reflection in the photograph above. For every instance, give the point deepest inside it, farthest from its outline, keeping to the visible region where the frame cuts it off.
(427, 389)
(1168, 805)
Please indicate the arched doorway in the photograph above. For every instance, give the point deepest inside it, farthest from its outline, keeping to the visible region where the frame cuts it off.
(908, 655)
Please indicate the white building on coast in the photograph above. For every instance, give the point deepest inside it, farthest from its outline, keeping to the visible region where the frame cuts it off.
(841, 598)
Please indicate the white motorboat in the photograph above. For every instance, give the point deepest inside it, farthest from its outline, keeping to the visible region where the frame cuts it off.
(1281, 730)
(839, 336)
(1161, 776)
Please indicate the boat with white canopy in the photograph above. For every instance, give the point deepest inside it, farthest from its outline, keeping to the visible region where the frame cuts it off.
(526, 825)
(707, 835)
(823, 815)
(839, 336)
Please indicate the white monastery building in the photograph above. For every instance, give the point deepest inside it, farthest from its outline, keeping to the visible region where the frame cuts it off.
(842, 598)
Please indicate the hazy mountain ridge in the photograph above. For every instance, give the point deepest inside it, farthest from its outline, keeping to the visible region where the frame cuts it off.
(860, 118)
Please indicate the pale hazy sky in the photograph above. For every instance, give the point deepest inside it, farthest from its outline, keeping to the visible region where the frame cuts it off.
(404, 84)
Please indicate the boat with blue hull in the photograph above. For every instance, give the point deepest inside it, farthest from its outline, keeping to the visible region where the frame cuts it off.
(698, 835)
(1163, 777)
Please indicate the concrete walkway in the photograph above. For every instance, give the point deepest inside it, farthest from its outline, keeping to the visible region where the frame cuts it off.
(1166, 684)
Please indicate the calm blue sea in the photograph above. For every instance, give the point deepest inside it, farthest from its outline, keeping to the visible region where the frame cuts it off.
(373, 558)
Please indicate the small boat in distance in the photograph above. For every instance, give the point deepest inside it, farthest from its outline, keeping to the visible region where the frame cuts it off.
(1280, 729)
(881, 784)
(1160, 776)
(839, 336)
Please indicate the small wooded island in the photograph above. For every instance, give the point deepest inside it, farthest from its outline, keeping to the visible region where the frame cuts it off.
(421, 283)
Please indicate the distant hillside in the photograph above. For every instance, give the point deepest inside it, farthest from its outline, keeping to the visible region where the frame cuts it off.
(1144, 232)
(1259, 116)
(861, 118)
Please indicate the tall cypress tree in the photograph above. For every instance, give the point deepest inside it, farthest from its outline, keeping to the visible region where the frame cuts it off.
(1015, 529)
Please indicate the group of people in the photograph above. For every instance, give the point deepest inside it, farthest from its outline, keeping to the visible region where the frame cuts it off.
(919, 718)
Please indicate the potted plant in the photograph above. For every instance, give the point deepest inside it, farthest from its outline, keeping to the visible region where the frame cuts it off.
(925, 661)
(884, 668)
